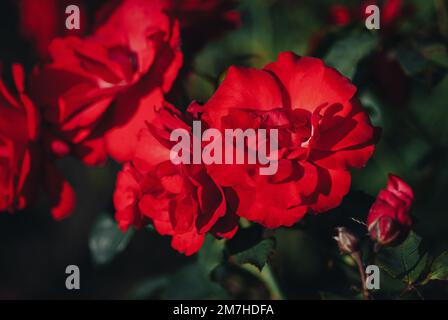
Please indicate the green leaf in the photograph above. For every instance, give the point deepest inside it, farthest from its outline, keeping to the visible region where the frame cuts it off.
(424, 62)
(147, 288)
(430, 109)
(107, 240)
(346, 53)
(411, 60)
(439, 268)
(193, 282)
(211, 253)
(436, 53)
(406, 261)
(256, 255)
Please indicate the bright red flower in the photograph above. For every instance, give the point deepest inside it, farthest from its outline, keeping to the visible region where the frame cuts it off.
(323, 132)
(181, 201)
(99, 90)
(21, 160)
(389, 220)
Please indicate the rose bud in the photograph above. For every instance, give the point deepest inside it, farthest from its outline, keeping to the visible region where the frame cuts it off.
(389, 220)
(348, 243)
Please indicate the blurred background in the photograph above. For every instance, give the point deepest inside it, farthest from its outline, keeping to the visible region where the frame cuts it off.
(400, 72)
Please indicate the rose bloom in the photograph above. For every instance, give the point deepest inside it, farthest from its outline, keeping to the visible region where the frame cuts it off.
(22, 162)
(389, 220)
(181, 201)
(98, 90)
(323, 132)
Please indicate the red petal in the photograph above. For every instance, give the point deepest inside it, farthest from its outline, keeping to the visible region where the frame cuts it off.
(246, 89)
(309, 82)
(188, 243)
(128, 119)
(62, 195)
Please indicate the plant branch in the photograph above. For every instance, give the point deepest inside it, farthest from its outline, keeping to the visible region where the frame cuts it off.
(357, 257)
(269, 279)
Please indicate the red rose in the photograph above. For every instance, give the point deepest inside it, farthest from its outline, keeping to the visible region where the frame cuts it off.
(181, 201)
(98, 90)
(22, 163)
(389, 220)
(323, 131)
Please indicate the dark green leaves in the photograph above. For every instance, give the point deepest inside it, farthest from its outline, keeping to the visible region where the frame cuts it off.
(406, 261)
(439, 268)
(211, 253)
(347, 52)
(257, 255)
(436, 53)
(425, 62)
(190, 282)
(107, 240)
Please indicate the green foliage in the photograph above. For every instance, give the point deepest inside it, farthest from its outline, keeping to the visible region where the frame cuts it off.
(257, 255)
(149, 287)
(436, 53)
(439, 268)
(347, 52)
(412, 264)
(406, 261)
(211, 254)
(190, 282)
(107, 240)
(413, 144)
(193, 282)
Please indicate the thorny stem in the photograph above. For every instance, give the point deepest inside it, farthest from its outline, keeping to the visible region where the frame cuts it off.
(357, 257)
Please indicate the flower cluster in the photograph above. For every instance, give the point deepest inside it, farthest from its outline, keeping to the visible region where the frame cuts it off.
(323, 132)
(103, 95)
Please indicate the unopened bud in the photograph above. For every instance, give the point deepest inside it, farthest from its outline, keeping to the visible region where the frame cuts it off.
(387, 231)
(347, 241)
(389, 220)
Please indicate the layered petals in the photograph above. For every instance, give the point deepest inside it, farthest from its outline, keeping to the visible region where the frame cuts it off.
(100, 82)
(180, 201)
(323, 131)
